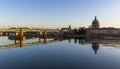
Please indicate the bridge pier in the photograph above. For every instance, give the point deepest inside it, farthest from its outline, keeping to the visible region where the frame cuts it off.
(21, 43)
(40, 36)
(44, 36)
(22, 32)
(19, 37)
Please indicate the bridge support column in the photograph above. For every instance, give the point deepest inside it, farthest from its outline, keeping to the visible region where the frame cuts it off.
(44, 36)
(22, 37)
(21, 43)
(40, 36)
(22, 32)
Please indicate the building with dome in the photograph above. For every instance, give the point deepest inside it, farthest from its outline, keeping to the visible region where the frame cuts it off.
(95, 31)
(95, 23)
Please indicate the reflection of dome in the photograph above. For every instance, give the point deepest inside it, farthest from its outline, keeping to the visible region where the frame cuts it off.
(95, 23)
(95, 47)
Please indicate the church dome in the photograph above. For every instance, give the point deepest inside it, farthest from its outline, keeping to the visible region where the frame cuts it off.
(95, 23)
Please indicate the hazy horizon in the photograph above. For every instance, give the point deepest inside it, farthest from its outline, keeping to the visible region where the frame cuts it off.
(59, 13)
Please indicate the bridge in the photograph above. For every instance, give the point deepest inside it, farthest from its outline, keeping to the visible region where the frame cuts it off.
(27, 29)
(25, 33)
(21, 34)
(22, 31)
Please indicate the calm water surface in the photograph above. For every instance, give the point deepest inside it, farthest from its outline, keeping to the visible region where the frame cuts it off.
(60, 55)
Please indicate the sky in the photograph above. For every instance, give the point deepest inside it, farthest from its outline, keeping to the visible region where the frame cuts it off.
(59, 13)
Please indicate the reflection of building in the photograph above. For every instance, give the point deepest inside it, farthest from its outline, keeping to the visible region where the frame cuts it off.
(95, 23)
(95, 47)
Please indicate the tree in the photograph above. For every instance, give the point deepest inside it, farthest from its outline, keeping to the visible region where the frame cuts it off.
(75, 31)
(82, 31)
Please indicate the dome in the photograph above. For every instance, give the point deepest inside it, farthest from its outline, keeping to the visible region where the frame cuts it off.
(95, 21)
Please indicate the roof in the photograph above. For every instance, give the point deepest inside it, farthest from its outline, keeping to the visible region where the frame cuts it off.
(95, 21)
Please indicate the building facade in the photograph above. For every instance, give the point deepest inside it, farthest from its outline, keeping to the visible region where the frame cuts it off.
(95, 29)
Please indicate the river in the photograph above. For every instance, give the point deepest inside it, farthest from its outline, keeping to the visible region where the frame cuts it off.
(64, 54)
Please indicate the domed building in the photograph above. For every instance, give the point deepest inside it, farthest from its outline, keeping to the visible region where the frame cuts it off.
(95, 23)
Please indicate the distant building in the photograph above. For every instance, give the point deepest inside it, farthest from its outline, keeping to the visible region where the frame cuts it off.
(69, 27)
(104, 31)
(95, 23)
(95, 29)
(66, 29)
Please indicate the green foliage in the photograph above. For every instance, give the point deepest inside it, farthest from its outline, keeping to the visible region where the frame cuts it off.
(81, 31)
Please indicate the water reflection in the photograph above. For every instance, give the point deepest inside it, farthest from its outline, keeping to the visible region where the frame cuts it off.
(65, 54)
(95, 44)
(81, 41)
(21, 42)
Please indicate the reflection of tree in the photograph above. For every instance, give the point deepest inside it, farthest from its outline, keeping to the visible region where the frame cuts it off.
(95, 46)
(69, 40)
(75, 40)
(81, 41)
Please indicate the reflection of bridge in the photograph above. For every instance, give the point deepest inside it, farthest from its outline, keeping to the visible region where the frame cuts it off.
(22, 44)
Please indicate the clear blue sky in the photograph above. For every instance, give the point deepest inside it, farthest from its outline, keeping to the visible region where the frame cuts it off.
(59, 13)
